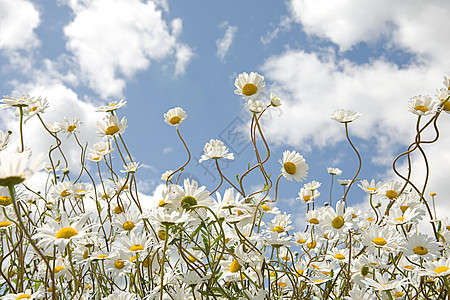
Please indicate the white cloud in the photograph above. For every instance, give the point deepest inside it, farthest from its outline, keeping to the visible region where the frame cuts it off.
(114, 39)
(167, 150)
(18, 20)
(284, 25)
(419, 27)
(223, 44)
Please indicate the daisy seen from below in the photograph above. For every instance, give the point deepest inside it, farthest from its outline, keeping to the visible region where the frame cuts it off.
(443, 95)
(62, 233)
(370, 188)
(23, 101)
(293, 166)
(250, 86)
(255, 106)
(379, 239)
(422, 105)
(5, 139)
(189, 196)
(175, 116)
(440, 268)
(35, 106)
(420, 245)
(337, 222)
(71, 126)
(215, 149)
(275, 100)
(110, 126)
(28, 294)
(14, 169)
(345, 116)
(112, 106)
(307, 195)
(334, 171)
(135, 242)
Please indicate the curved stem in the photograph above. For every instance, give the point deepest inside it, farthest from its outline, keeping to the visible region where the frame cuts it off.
(359, 162)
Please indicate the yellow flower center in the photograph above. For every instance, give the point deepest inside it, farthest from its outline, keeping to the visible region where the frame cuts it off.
(318, 281)
(364, 271)
(249, 89)
(162, 235)
(282, 284)
(128, 225)
(446, 105)
(307, 197)
(299, 272)
(146, 262)
(432, 194)
(372, 189)
(408, 267)
(5, 224)
(136, 248)
(339, 256)
(34, 108)
(118, 210)
(5, 200)
(234, 266)
(192, 259)
(133, 258)
(314, 221)
(175, 120)
(23, 296)
(391, 194)
(379, 241)
(65, 193)
(119, 264)
(85, 254)
(161, 203)
(441, 269)
(422, 108)
(71, 128)
(59, 269)
(66, 233)
(102, 256)
(312, 245)
(278, 229)
(112, 130)
(265, 207)
(420, 250)
(290, 167)
(81, 191)
(301, 241)
(338, 222)
(187, 202)
(370, 219)
(88, 287)
(400, 219)
(398, 294)
(404, 208)
(105, 196)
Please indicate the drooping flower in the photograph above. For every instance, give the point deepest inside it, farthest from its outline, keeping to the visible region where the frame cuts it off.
(422, 105)
(215, 149)
(345, 116)
(275, 100)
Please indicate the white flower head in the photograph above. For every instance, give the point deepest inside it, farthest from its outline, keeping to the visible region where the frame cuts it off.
(175, 116)
(294, 166)
(249, 86)
(110, 126)
(215, 149)
(255, 106)
(112, 106)
(345, 116)
(14, 169)
(275, 100)
(422, 105)
(334, 171)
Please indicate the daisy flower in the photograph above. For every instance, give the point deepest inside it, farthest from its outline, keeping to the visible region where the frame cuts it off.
(55, 127)
(255, 106)
(344, 182)
(70, 126)
(62, 233)
(215, 149)
(422, 105)
(229, 200)
(131, 167)
(382, 282)
(275, 100)
(440, 268)
(249, 86)
(112, 106)
(28, 294)
(307, 195)
(390, 189)
(23, 101)
(378, 238)
(334, 171)
(111, 126)
(175, 116)
(337, 222)
(159, 215)
(312, 186)
(189, 196)
(419, 245)
(294, 166)
(345, 116)
(63, 190)
(127, 220)
(135, 242)
(442, 95)
(119, 295)
(14, 169)
(36, 106)
(370, 188)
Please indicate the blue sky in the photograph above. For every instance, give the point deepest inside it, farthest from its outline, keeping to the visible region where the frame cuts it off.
(319, 56)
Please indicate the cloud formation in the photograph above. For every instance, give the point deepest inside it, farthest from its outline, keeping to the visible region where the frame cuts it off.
(18, 20)
(114, 39)
(223, 44)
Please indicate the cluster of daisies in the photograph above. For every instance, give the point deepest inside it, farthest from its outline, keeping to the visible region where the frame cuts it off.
(89, 236)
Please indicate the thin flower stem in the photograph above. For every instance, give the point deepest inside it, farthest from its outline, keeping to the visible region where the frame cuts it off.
(344, 198)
